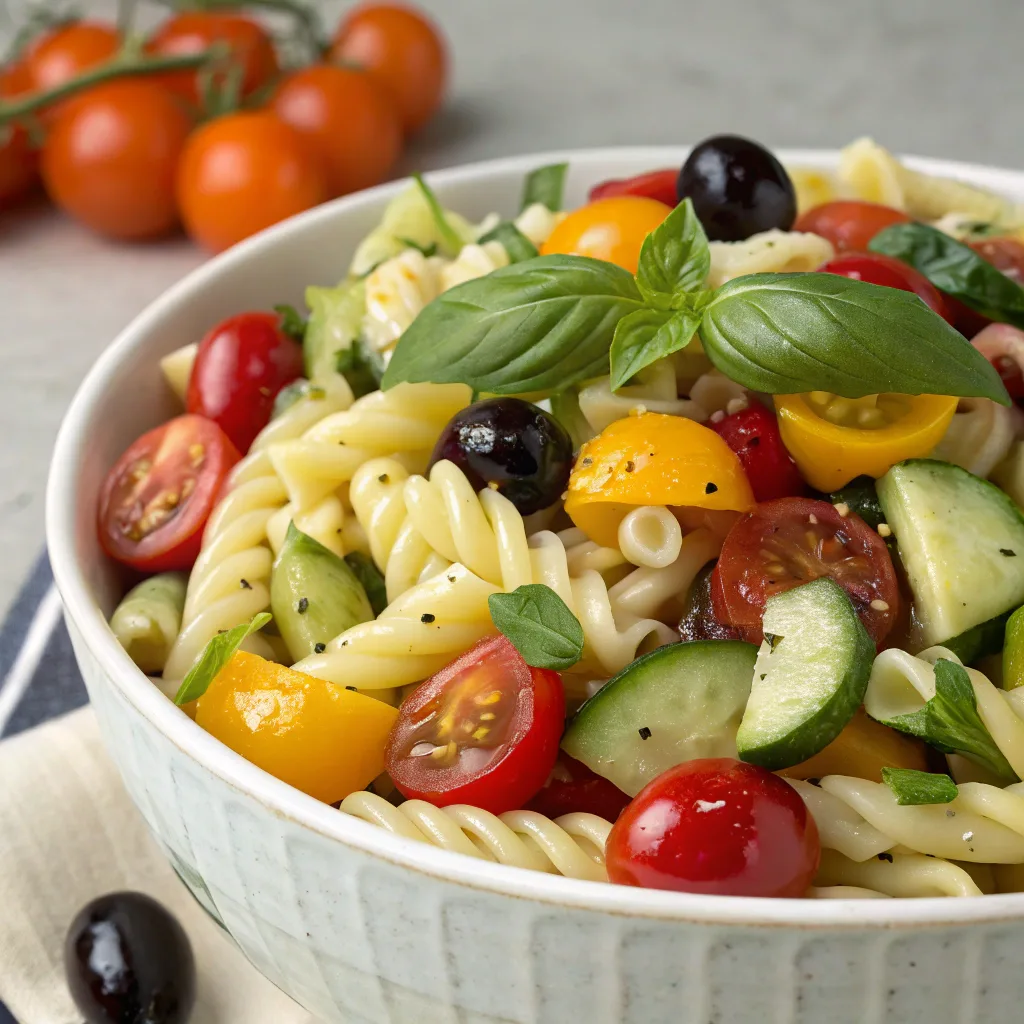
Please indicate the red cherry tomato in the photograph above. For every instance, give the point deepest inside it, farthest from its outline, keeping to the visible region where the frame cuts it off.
(240, 367)
(157, 498)
(660, 185)
(891, 273)
(482, 731)
(718, 827)
(753, 434)
(789, 541)
(19, 160)
(67, 50)
(1005, 254)
(849, 223)
(572, 787)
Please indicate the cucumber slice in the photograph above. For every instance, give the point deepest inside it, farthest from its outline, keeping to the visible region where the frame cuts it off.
(979, 641)
(810, 677)
(675, 704)
(1013, 651)
(961, 540)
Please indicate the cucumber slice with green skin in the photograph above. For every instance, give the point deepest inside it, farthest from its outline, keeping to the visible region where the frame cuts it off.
(675, 704)
(861, 497)
(810, 677)
(1013, 651)
(961, 540)
(979, 641)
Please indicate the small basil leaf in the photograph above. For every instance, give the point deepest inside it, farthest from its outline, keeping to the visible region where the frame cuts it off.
(911, 787)
(217, 653)
(646, 336)
(295, 392)
(360, 366)
(954, 268)
(532, 327)
(539, 625)
(450, 238)
(675, 256)
(545, 185)
(369, 576)
(292, 322)
(411, 243)
(516, 244)
(786, 333)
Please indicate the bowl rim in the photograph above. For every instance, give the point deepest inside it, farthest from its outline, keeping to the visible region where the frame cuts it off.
(283, 800)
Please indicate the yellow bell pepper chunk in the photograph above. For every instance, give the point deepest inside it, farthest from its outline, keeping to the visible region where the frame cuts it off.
(652, 459)
(314, 735)
(832, 440)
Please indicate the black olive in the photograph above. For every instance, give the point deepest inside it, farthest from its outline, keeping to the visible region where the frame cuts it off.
(128, 961)
(737, 188)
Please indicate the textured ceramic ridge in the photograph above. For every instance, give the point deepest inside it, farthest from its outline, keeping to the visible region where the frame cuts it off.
(360, 926)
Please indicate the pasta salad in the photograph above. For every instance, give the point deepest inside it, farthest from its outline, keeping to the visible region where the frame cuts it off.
(674, 541)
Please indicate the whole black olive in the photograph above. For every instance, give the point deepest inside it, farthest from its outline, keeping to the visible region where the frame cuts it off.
(128, 961)
(737, 188)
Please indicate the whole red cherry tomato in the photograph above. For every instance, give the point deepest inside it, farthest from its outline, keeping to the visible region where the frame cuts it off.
(660, 185)
(572, 787)
(719, 827)
(753, 434)
(67, 50)
(875, 268)
(240, 367)
(19, 161)
(849, 223)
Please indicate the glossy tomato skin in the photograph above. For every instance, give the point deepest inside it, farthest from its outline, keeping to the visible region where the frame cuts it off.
(718, 827)
(890, 273)
(243, 172)
(240, 367)
(849, 224)
(19, 161)
(496, 763)
(572, 787)
(156, 499)
(403, 49)
(658, 185)
(753, 434)
(348, 118)
(1006, 255)
(111, 156)
(66, 51)
(768, 552)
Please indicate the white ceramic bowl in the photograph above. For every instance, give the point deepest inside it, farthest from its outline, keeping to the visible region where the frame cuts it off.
(359, 925)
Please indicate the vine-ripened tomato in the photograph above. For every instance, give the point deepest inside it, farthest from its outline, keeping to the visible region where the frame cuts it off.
(67, 50)
(659, 185)
(156, 500)
(609, 229)
(243, 172)
(348, 118)
(482, 731)
(19, 161)
(718, 827)
(572, 787)
(789, 541)
(875, 268)
(849, 224)
(111, 155)
(753, 434)
(249, 45)
(240, 367)
(403, 49)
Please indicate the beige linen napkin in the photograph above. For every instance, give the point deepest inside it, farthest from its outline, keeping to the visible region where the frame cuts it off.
(68, 833)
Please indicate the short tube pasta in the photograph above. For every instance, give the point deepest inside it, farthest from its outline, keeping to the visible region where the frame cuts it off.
(650, 536)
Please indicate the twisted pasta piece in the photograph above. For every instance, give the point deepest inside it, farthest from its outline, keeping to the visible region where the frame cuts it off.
(781, 252)
(980, 435)
(572, 845)
(654, 391)
(813, 187)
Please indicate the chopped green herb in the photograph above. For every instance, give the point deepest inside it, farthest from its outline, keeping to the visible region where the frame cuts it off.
(540, 626)
(545, 185)
(292, 323)
(217, 653)
(912, 787)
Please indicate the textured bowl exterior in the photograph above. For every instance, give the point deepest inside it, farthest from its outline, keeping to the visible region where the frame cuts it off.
(360, 926)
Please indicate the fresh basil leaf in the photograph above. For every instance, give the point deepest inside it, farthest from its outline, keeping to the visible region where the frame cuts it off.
(369, 576)
(539, 625)
(217, 653)
(411, 243)
(545, 185)
(450, 238)
(360, 366)
(954, 268)
(786, 333)
(292, 323)
(295, 392)
(911, 787)
(516, 244)
(646, 336)
(675, 256)
(950, 722)
(537, 326)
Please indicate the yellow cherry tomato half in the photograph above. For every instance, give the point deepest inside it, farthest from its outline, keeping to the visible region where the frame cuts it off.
(611, 229)
(824, 434)
(314, 735)
(652, 459)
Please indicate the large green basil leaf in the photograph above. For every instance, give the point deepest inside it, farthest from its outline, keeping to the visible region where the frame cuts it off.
(785, 333)
(675, 256)
(537, 326)
(954, 268)
(646, 336)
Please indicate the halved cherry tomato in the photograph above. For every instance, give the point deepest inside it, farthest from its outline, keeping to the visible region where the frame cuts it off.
(609, 229)
(659, 185)
(68, 50)
(849, 223)
(573, 787)
(719, 827)
(483, 731)
(875, 268)
(789, 541)
(753, 434)
(156, 500)
(240, 367)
